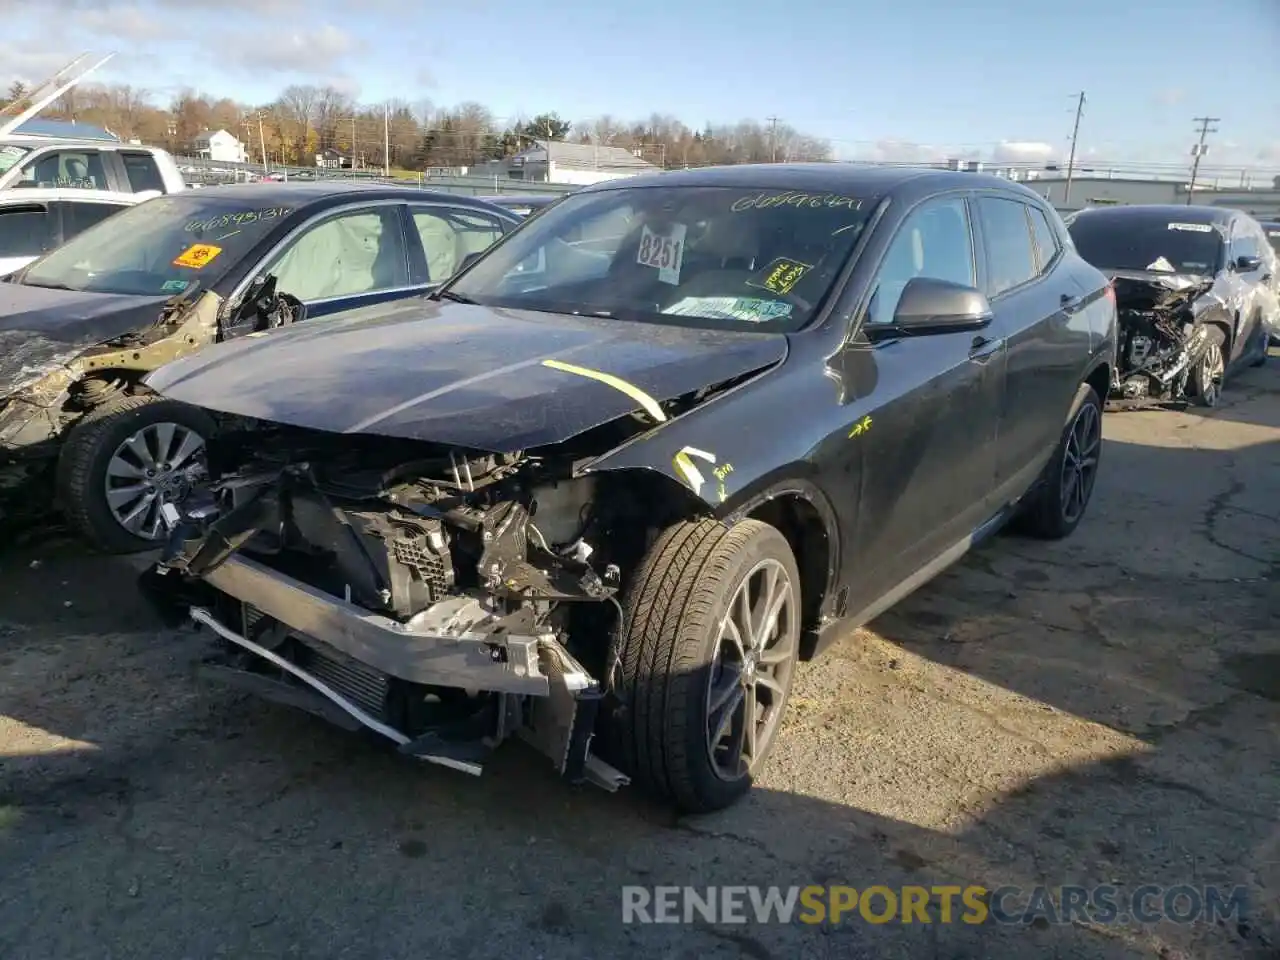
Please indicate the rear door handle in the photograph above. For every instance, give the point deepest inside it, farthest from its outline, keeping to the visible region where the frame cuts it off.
(983, 348)
(1071, 303)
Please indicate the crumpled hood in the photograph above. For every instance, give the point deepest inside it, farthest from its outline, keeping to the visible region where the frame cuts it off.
(469, 376)
(42, 329)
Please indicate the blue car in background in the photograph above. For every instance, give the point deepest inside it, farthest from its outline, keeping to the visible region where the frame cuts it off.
(83, 326)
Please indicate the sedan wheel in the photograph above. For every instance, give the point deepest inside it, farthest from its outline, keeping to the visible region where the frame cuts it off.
(120, 465)
(704, 660)
(1207, 375)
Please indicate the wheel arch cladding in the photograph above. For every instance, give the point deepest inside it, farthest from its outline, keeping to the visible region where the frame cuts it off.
(802, 525)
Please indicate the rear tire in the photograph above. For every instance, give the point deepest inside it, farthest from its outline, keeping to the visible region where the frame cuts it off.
(683, 683)
(1059, 503)
(95, 442)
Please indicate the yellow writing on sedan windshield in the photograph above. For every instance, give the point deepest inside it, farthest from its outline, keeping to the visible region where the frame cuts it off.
(238, 218)
(793, 198)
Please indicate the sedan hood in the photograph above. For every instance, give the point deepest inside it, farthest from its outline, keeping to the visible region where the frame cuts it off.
(42, 329)
(469, 376)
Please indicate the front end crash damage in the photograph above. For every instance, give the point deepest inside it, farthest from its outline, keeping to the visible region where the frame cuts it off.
(1161, 335)
(446, 599)
(50, 380)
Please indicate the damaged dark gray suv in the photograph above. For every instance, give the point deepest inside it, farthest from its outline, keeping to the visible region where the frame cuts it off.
(624, 472)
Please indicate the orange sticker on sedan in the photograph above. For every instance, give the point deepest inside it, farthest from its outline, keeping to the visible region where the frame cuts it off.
(196, 256)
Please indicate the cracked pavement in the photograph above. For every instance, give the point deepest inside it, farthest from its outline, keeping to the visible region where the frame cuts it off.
(1101, 710)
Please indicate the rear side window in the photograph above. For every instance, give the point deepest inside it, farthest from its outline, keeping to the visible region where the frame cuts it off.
(25, 231)
(1010, 255)
(1046, 237)
(142, 171)
(78, 217)
(65, 168)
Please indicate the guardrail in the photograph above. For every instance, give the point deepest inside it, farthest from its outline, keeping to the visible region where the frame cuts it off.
(205, 172)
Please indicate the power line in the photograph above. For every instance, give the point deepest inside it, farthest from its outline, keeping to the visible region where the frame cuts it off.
(1199, 150)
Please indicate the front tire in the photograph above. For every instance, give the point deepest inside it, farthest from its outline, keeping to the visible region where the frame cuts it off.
(703, 664)
(1056, 508)
(1207, 375)
(121, 463)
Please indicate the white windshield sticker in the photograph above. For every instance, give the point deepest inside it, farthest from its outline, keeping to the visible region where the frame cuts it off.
(748, 309)
(665, 253)
(1193, 227)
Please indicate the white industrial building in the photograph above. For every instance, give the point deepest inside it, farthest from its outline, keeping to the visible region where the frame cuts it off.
(551, 161)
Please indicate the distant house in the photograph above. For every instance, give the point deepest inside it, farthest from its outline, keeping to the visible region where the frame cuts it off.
(220, 146)
(551, 161)
(63, 130)
(334, 158)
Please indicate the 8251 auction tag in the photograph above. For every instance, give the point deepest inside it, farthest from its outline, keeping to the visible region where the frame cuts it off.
(664, 253)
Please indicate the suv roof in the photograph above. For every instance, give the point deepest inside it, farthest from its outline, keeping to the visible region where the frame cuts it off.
(17, 195)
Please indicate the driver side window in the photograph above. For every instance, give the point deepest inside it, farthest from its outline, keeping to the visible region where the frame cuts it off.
(351, 253)
(936, 241)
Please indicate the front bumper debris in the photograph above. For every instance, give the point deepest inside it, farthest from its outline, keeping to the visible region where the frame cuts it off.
(541, 693)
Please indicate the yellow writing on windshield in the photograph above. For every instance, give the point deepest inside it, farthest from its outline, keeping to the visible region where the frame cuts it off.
(238, 218)
(793, 198)
(780, 275)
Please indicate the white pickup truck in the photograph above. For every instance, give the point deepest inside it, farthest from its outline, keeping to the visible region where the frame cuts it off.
(42, 162)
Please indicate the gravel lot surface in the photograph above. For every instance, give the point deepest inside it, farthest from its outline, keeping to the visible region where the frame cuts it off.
(1101, 710)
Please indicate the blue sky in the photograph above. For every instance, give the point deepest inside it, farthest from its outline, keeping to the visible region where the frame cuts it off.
(994, 78)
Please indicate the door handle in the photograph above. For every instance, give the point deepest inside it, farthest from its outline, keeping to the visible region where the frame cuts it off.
(1071, 303)
(983, 348)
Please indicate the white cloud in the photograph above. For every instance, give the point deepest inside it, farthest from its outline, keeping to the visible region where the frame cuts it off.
(1023, 151)
(128, 23)
(309, 52)
(1171, 97)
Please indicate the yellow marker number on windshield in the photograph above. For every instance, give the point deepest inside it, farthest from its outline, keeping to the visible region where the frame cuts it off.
(197, 256)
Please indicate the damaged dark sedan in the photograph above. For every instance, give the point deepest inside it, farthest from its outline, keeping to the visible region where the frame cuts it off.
(80, 328)
(662, 442)
(1193, 289)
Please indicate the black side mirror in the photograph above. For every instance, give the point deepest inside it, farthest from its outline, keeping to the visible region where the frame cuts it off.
(1247, 264)
(929, 305)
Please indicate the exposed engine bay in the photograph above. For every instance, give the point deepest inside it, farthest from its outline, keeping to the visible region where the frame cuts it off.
(53, 380)
(446, 599)
(1161, 338)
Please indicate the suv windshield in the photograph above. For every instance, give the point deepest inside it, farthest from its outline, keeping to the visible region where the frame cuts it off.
(159, 247)
(723, 257)
(10, 154)
(1133, 243)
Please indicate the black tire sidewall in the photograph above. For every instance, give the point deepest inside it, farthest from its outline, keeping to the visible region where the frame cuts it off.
(1045, 518)
(94, 441)
(768, 543)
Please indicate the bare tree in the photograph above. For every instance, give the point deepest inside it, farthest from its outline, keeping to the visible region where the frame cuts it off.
(297, 106)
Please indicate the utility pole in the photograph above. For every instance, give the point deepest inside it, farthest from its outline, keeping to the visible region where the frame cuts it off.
(262, 139)
(1199, 151)
(773, 139)
(1071, 160)
(386, 139)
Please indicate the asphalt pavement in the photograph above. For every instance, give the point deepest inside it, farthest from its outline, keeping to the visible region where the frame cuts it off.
(1104, 710)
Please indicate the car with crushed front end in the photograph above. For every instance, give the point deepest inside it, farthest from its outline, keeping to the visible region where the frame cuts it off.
(80, 327)
(613, 481)
(1194, 287)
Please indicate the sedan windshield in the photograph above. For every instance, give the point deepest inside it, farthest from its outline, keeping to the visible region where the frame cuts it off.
(1167, 246)
(722, 257)
(160, 247)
